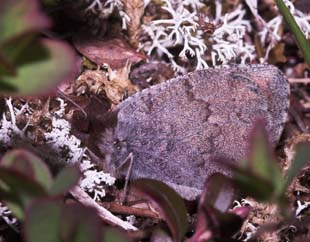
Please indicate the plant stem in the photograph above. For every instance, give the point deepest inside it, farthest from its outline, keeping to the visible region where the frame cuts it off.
(301, 40)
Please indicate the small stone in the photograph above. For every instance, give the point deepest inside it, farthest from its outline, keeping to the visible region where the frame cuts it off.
(176, 129)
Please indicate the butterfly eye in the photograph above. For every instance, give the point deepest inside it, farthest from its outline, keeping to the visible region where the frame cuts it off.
(117, 144)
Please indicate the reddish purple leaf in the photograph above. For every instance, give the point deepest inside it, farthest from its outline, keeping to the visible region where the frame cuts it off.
(242, 212)
(114, 52)
(169, 203)
(215, 224)
(218, 192)
(79, 223)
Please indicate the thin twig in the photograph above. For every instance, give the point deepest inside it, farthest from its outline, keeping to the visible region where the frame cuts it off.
(304, 94)
(127, 210)
(299, 80)
(61, 93)
(298, 120)
(106, 215)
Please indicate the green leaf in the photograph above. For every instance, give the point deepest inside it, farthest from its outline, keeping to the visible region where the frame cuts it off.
(20, 17)
(29, 164)
(6, 66)
(302, 156)
(49, 220)
(113, 235)
(16, 209)
(261, 160)
(67, 178)
(51, 3)
(42, 222)
(252, 185)
(39, 67)
(218, 192)
(29, 66)
(259, 176)
(14, 51)
(18, 190)
(170, 204)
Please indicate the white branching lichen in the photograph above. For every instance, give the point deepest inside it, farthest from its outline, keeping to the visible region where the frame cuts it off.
(228, 39)
(249, 229)
(6, 215)
(194, 4)
(270, 34)
(106, 8)
(94, 181)
(59, 139)
(179, 29)
(301, 206)
(183, 29)
(9, 131)
(131, 219)
(181, 38)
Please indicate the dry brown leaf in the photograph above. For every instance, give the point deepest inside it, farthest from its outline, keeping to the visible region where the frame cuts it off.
(300, 70)
(135, 10)
(114, 52)
(115, 83)
(258, 47)
(261, 214)
(303, 5)
(90, 82)
(277, 54)
(290, 147)
(151, 73)
(118, 86)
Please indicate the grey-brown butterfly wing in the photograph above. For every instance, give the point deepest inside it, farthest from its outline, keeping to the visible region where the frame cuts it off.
(176, 128)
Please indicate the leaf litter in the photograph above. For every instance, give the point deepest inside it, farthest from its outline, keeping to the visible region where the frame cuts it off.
(112, 84)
